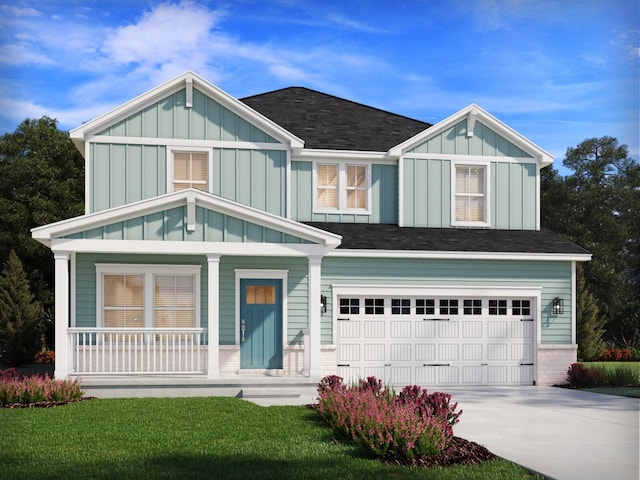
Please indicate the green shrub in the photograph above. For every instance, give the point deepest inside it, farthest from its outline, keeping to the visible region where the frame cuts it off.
(622, 375)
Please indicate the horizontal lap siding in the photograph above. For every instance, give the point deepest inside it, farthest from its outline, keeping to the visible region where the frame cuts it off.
(86, 280)
(553, 277)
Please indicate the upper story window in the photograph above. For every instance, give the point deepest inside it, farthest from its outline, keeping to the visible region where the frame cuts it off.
(190, 169)
(470, 199)
(342, 187)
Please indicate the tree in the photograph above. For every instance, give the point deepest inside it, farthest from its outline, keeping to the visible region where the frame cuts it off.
(20, 314)
(597, 207)
(41, 181)
(589, 323)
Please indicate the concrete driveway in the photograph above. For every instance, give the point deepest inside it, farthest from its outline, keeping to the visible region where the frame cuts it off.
(560, 433)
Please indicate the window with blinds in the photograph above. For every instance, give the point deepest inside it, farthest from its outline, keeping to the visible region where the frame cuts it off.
(327, 185)
(190, 170)
(342, 187)
(174, 301)
(470, 193)
(123, 301)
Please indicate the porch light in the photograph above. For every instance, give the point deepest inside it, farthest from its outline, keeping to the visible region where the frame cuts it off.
(323, 304)
(557, 307)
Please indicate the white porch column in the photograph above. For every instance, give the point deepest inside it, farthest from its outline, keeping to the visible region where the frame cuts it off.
(61, 284)
(213, 314)
(315, 264)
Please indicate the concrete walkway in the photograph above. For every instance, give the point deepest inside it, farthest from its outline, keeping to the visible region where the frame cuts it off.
(560, 433)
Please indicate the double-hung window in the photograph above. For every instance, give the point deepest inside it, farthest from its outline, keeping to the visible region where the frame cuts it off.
(470, 199)
(342, 187)
(147, 296)
(189, 169)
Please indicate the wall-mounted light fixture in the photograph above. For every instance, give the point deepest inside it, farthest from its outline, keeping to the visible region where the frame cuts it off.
(557, 306)
(323, 304)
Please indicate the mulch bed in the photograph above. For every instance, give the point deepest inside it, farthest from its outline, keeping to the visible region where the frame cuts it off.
(45, 404)
(459, 452)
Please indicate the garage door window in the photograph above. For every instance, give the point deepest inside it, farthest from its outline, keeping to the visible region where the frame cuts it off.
(521, 307)
(400, 306)
(425, 306)
(497, 307)
(472, 307)
(449, 307)
(349, 306)
(374, 306)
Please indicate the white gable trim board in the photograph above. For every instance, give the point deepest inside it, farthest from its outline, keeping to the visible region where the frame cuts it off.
(405, 335)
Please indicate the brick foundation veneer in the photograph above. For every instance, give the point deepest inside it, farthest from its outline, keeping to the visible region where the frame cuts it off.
(553, 362)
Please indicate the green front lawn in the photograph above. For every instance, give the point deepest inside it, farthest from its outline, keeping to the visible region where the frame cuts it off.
(197, 438)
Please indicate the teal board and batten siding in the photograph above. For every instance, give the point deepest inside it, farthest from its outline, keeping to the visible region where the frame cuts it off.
(484, 142)
(553, 277)
(170, 225)
(384, 196)
(297, 288)
(427, 194)
(205, 120)
(123, 174)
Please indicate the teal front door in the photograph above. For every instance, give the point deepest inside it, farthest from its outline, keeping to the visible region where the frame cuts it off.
(260, 323)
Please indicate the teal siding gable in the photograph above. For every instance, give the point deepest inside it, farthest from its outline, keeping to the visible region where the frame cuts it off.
(205, 120)
(484, 141)
(170, 225)
(427, 194)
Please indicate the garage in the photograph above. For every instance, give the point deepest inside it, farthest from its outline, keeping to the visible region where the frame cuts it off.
(436, 337)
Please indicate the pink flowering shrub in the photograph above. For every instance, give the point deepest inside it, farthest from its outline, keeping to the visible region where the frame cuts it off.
(18, 388)
(411, 425)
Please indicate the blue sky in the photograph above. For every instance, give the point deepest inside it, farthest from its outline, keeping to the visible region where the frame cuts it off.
(557, 71)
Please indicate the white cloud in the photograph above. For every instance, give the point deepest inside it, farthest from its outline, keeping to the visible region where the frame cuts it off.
(11, 10)
(19, 54)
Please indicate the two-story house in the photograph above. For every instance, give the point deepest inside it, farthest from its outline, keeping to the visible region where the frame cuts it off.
(297, 234)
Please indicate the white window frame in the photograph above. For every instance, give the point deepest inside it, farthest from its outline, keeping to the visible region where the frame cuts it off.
(487, 190)
(148, 272)
(342, 187)
(171, 150)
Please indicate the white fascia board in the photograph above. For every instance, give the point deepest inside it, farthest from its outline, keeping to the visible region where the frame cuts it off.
(421, 254)
(80, 134)
(46, 233)
(363, 155)
(140, 247)
(541, 156)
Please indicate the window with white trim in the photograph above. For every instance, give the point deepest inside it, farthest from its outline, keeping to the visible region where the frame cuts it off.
(151, 296)
(470, 195)
(342, 187)
(190, 169)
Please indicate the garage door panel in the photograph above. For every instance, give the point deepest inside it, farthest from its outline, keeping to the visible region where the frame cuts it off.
(400, 375)
(522, 330)
(497, 374)
(497, 352)
(349, 352)
(498, 329)
(471, 352)
(448, 375)
(376, 371)
(349, 329)
(426, 329)
(400, 352)
(448, 352)
(471, 329)
(522, 374)
(522, 352)
(471, 375)
(349, 374)
(448, 329)
(374, 352)
(400, 329)
(426, 352)
(426, 375)
(374, 329)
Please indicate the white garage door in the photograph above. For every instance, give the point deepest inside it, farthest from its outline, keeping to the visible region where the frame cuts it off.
(436, 341)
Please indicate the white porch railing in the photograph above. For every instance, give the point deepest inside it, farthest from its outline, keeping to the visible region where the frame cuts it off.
(138, 351)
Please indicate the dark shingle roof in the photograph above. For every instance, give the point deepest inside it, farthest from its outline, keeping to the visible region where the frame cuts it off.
(392, 237)
(327, 122)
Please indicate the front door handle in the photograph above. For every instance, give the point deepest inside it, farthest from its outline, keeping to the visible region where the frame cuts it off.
(242, 330)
